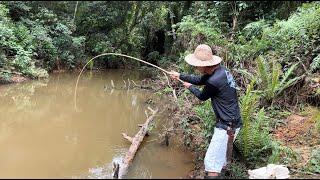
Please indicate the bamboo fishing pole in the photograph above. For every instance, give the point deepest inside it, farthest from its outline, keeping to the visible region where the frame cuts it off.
(116, 54)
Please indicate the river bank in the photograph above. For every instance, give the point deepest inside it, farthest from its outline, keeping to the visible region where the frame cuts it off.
(13, 79)
(291, 134)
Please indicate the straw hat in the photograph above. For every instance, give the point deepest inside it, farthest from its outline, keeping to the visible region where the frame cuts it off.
(202, 56)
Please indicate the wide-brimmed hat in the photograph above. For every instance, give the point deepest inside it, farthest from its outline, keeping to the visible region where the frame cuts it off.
(202, 56)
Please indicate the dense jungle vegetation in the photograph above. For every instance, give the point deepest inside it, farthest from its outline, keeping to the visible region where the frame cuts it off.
(272, 48)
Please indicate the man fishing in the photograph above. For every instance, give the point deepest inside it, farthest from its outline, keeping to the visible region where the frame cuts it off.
(220, 86)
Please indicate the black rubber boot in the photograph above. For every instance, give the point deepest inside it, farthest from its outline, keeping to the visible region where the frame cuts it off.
(212, 177)
(223, 173)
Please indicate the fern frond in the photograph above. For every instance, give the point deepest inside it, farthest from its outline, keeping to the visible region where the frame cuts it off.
(274, 81)
(263, 70)
(287, 84)
(260, 118)
(288, 73)
(248, 103)
(315, 65)
(247, 74)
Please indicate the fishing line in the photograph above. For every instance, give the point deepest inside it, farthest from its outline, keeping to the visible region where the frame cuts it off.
(116, 54)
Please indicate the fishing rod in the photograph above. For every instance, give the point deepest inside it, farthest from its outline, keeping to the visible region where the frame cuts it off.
(116, 54)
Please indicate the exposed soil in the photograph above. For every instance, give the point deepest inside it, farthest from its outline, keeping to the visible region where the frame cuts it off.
(297, 131)
(302, 136)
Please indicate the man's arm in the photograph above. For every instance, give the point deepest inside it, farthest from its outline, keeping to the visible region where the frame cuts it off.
(207, 92)
(197, 80)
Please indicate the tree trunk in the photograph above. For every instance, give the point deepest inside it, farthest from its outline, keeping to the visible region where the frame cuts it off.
(234, 26)
(235, 13)
(172, 16)
(135, 143)
(75, 11)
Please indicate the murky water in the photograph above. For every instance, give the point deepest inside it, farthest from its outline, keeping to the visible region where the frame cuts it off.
(43, 136)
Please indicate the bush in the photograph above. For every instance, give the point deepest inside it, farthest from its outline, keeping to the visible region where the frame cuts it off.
(191, 33)
(254, 139)
(314, 162)
(206, 114)
(16, 42)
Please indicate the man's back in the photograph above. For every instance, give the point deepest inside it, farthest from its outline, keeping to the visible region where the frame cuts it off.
(224, 99)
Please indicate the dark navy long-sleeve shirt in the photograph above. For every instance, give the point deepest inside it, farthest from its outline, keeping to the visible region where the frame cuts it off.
(221, 88)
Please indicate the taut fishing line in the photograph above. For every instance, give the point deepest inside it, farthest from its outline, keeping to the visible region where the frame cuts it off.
(116, 54)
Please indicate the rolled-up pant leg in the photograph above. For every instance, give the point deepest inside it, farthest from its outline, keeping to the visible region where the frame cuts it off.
(215, 157)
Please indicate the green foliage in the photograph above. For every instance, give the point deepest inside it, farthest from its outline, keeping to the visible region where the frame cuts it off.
(290, 40)
(314, 162)
(191, 33)
(206, 114)
(278, 37)
(37, 38)
(317, 120)
(5, 75)
(248, 104)
(130, 27)
(269, 78)
(167, 90)
(16, 45)
(281, 154)
(255, 29)
(237, 171)
(254, 140)
(3, 13)
(300, 30)
(125, 27)
(315, 65)
(318, 91)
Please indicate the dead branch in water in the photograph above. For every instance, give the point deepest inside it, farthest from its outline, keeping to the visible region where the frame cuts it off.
(127, 86)
(135, 143)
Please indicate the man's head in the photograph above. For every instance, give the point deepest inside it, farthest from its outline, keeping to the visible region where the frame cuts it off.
(207, 69)
(203, 59)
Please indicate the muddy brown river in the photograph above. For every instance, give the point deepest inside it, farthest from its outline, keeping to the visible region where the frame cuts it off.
(42, 135)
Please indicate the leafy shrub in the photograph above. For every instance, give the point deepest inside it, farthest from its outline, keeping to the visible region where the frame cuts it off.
(192, 33)
(255, 29)
(315, 65)
(314, 162)
(269, 78)
(254, 140)
(207, 116)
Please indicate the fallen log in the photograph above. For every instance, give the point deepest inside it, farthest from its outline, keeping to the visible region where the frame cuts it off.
(135, 141)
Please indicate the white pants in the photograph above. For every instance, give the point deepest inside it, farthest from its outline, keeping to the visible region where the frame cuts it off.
(216, 157)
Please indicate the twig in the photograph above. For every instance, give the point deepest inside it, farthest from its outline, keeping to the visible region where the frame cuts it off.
(112, 84)
(152, 140)
(173, 90)
(125, 84)
(135, 84)
(304, 67)
(128, 83)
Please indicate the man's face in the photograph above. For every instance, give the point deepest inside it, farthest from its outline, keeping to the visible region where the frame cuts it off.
(201, 69)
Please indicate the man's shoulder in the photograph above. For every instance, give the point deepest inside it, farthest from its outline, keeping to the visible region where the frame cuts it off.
(219, 77)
